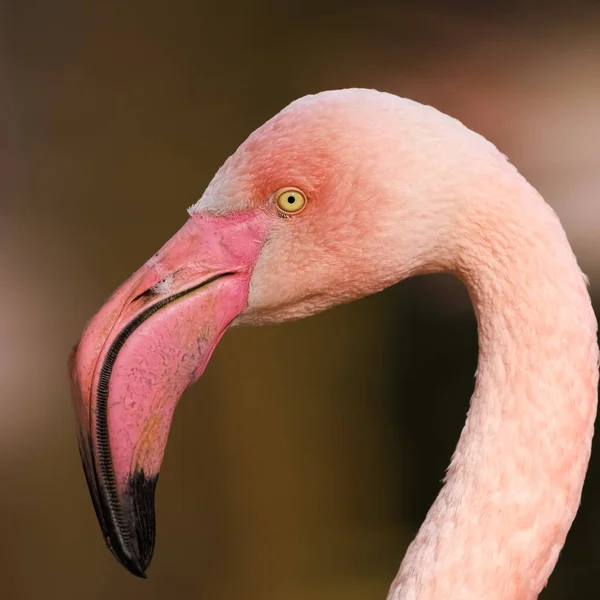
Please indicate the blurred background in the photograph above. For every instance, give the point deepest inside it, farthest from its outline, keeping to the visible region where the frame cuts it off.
(278, 483)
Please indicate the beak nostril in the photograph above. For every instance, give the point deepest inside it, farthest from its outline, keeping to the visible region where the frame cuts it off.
(149, 293)
(164, 287)
(159, 288)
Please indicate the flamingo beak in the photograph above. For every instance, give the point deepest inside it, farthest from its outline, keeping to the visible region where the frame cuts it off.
(151, 340)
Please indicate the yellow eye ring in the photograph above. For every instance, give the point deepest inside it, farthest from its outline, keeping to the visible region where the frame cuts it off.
(290, 201)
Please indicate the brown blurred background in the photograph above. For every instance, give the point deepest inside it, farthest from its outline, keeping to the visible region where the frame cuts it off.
(303, 462)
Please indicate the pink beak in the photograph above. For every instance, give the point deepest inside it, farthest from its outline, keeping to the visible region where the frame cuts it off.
(135, 358)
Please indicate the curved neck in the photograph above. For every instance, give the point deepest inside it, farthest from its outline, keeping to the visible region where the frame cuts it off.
(515, 480)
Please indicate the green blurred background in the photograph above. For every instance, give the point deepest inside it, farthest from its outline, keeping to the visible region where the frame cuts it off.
(303, 462)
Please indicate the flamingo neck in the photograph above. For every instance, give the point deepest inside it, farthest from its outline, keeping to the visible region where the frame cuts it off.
(514, 483)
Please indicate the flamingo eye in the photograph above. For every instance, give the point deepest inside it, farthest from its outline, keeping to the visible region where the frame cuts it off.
(290, 201)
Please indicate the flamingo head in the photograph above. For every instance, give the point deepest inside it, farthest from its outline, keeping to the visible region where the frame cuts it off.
(321, 205)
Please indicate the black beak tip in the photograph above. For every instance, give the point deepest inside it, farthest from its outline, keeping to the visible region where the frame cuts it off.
(134, 547)
(138, 573)
(127, 522)
(132, 563)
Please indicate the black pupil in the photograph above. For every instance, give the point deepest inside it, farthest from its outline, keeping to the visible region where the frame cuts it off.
(291, 199)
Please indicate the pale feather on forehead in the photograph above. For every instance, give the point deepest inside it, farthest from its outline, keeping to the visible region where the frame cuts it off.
(330, 135)
(297, 147)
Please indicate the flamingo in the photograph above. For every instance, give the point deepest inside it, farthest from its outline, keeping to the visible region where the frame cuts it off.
(339, 196)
